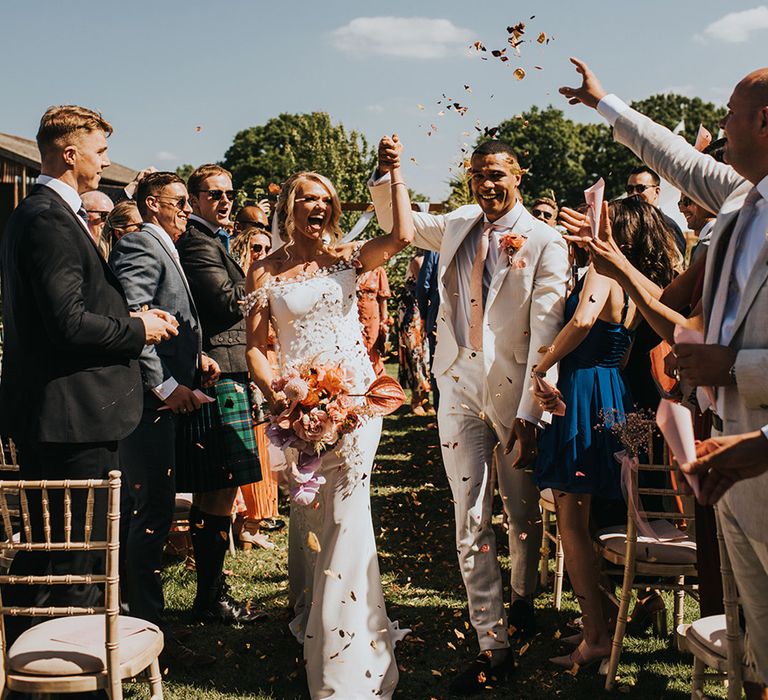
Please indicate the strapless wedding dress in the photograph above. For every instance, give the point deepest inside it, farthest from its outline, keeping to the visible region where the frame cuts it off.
(335, 589)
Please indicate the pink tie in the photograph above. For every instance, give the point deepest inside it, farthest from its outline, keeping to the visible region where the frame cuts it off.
(476, 288)
(727, 293)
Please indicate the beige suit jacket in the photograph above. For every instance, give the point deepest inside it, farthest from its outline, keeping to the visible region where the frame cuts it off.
(523, 310)
(719, 188)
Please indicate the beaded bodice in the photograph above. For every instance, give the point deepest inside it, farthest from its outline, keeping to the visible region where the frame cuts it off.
(315, 319)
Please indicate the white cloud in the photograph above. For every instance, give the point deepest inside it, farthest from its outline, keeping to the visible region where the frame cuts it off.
(736, 27)
(408, 37)
(375, 109)
(165, 155)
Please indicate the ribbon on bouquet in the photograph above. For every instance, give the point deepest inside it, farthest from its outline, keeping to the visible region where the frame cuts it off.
(659, 530)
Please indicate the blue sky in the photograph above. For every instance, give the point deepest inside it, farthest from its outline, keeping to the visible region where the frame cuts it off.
(158, 70)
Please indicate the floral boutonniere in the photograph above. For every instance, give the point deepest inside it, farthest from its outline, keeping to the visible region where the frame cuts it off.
(510, 243)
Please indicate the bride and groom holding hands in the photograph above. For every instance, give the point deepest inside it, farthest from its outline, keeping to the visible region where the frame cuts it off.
(502, 281)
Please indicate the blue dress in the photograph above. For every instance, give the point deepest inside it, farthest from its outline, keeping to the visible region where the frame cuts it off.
(576, 450)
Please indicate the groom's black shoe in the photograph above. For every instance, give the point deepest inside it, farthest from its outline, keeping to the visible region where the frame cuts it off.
(480, 674)
(522, 622)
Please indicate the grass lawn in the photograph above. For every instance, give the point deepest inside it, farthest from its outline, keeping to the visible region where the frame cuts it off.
(413, 518)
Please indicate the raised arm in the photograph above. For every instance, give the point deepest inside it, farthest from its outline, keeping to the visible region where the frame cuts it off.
(702, 178)
(379, 250)
(428, 228)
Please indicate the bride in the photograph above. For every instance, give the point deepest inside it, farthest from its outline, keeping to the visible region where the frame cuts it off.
(306, 290)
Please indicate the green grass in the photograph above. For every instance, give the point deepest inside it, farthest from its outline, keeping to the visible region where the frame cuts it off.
(413, 518)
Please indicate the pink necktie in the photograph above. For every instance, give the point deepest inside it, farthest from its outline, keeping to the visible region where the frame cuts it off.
(476, 288)
(726, 294)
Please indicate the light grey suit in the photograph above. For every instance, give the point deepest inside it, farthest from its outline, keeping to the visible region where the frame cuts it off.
(152, 276)
(743, 511)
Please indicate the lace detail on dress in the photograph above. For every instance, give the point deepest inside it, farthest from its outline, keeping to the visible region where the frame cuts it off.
(259, 298)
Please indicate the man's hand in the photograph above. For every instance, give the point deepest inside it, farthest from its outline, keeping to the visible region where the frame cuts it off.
(130, 188)
(389, 154)
(705, 365)
(526, 434)
(590, 92)
(182, 400)
(210, 370)
(159, 325)
(724, 460)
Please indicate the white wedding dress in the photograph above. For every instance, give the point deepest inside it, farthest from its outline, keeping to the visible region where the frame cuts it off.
(336, 591)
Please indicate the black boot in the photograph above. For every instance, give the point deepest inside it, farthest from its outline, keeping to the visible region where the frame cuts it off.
(210, 540)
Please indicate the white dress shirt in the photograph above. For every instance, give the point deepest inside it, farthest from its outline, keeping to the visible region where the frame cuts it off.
(67, 193)
(465, 256)
(164, 390)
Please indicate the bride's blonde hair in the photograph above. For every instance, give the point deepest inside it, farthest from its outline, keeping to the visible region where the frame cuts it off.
(287, 198)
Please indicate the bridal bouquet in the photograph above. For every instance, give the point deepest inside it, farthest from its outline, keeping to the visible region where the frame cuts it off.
(321, 410)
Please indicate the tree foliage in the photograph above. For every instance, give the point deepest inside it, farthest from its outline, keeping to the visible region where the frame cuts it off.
(272, 152)
(566, 157)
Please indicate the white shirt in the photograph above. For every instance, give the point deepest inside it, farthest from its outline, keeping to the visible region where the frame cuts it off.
(465, 257)
(164, 390)
(68, 194)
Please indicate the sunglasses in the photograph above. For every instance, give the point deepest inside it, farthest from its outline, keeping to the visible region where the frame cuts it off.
(685, 201)
(216, 195)
(98, 215)
(179, 202)
(258, 248)
(638, 189)
(541, 214)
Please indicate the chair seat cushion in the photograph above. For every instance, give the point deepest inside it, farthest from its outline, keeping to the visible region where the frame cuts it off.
(709, 632)
(69, 646)
(183, 505)
(681, 551)
(548, 496)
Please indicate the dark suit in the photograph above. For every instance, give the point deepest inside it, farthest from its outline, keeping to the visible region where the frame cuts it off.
(428, 300)
(151, 276)
(70, 385)
(218, 284)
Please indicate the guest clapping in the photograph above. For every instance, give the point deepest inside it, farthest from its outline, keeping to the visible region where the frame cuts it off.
(576, 457)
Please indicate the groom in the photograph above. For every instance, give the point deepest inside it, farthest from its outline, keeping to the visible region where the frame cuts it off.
(502, 282)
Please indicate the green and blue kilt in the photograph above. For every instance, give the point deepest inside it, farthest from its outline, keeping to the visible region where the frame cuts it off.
(216, 445)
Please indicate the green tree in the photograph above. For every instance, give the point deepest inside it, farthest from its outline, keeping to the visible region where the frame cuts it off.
(185, 170)
(566, 156)
(272, 152)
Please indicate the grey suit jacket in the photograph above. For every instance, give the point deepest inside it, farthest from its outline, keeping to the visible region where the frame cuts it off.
(718, 187)
(152, 277)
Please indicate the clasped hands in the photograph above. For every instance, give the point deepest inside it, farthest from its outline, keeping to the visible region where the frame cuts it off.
(389, 153)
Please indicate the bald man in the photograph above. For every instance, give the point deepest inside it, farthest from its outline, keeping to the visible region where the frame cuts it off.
(734, 357)
(97, 207)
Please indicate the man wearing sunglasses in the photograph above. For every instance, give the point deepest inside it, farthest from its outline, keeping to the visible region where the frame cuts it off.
(700, 221)
(646, 184)
(230, 458)
(97, 207)
(545, 209)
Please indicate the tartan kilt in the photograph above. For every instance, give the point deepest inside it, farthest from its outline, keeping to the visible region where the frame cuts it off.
(216, 445)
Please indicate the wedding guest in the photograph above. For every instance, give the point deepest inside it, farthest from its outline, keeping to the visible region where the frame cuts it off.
(734, 355)
(700, 221)
(646, 184)
(545, 209)
(70, 386)
(225, 427)
(428, 301)
(372, 295)
(124, 218)
(146, 263)
(502, 280)
(413, 349)
(576, 451)
(97, 206)
(251, 243)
